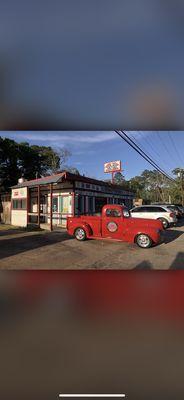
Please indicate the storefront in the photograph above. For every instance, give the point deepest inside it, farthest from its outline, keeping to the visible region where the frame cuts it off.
(48, 201)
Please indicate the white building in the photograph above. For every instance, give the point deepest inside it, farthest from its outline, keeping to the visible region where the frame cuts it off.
(48, 201)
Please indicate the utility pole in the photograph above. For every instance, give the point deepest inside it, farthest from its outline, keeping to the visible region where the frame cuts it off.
(180, 175)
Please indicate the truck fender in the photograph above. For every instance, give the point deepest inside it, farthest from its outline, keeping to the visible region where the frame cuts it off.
(86, 227)
(152, 235)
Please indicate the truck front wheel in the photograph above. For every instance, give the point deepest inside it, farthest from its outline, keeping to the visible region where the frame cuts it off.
(80, 234)
(143, 241)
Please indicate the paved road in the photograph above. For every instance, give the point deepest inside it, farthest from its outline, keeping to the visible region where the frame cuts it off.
(56, 250)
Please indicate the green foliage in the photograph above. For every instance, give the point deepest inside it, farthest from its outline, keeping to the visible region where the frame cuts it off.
(72, 170)
(136, 185)
(119, 179)
(21, 159)
(152, 186)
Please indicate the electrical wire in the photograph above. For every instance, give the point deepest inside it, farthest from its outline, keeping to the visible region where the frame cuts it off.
(148, 152)
(152, 145)
(174, 145)
(164, 143)
(145, 154)
(137, 148)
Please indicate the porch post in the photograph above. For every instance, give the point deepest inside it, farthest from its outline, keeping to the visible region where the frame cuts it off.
(51, 191)
(28, 205)
(39, 205)
(73, 204)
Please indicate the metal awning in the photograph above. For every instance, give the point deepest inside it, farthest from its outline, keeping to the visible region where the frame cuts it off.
(41, 181)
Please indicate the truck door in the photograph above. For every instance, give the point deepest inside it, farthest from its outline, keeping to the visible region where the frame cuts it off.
(112, 224)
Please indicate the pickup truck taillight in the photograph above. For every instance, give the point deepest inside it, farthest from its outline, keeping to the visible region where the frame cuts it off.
(172, 215)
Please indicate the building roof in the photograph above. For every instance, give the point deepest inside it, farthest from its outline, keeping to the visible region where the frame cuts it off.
(41, 181)
(65, 176)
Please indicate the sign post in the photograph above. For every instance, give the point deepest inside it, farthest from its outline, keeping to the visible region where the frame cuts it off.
(112, 167)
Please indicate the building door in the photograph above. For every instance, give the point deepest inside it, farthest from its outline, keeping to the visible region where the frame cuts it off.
(65, 208)
(55, 210)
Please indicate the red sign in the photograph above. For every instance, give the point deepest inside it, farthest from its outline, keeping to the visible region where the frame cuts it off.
(112, 166)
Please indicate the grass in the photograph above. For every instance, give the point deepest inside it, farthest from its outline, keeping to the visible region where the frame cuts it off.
(4, 227)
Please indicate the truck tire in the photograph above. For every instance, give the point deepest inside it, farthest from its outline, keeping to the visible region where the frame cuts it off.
(164, 221)
(80, 234)
(143, 241)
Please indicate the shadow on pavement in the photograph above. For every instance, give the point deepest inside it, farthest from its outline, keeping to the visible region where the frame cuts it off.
(171, 235)
(180, 222)
(145, 265)
(8, 232)
(14, 246)
(178, 263)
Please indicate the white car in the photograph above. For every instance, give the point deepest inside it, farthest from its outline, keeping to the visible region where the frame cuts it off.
(166, 216)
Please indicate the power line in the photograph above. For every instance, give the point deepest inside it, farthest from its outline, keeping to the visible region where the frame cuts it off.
(137, 148)
(152, 145)
(174, 145)
(146, 155)
(170, 154)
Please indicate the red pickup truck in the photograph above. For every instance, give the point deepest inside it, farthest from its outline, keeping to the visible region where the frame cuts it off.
(115, 223)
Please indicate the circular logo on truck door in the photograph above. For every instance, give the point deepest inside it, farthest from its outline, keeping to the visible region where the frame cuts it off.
(112, 226)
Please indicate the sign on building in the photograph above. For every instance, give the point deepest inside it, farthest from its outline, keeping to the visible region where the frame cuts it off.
(19, 193)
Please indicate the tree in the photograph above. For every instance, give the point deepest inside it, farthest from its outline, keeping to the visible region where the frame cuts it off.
(137, 185)
(119, 179)
(151, 186)
(73, 170)
(21, 159)
(178, 188)
(9, 172)
(51, 160)
(156, 185)
(178, 171)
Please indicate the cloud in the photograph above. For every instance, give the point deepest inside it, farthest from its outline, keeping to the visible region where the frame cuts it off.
(62, 138)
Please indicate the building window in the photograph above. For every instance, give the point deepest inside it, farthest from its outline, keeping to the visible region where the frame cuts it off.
(55, 204)
(19, 204)
(90, 205)
(99, 203)
(80, 205)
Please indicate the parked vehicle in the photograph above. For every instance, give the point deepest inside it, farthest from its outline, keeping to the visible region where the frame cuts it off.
(115, 223)
(161, 213)
(176, 209)
(181, 208)
(173, 208)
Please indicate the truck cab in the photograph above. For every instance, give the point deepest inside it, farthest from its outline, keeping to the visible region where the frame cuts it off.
(113, 221)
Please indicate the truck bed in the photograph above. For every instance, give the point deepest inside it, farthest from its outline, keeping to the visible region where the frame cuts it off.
(94, 221)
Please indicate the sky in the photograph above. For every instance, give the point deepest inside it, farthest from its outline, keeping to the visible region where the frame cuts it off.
(91, 149)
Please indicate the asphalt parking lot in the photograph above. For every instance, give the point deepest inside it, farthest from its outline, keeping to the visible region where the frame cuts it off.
(20, 249)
